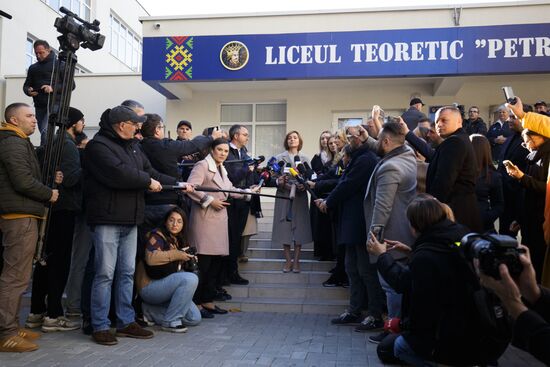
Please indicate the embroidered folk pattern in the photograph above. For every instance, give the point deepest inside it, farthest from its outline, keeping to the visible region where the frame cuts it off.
(179, 57)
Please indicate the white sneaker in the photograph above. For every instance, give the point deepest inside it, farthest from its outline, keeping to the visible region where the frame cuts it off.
(59, 324)
(34, 320)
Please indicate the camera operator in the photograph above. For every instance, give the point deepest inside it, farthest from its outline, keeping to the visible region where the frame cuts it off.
(527, 303)
(38, 84)
(22, 199)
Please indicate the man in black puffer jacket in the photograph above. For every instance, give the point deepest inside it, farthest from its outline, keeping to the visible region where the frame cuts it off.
(116, 175)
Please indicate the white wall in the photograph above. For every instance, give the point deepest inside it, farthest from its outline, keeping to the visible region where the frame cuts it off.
(301, 22)
(95, 93)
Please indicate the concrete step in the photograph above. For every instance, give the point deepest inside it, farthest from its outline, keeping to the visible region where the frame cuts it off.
(289, 290)
(285, 305)
(277, 264)
(278, 277)
(276, 253)
(263, 243)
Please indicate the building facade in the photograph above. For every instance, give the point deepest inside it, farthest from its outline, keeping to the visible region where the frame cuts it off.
(314, 71)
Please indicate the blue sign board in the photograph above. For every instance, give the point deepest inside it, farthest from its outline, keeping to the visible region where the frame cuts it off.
(503, 49)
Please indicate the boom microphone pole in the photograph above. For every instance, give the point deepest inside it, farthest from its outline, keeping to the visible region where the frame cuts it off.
(209, 189)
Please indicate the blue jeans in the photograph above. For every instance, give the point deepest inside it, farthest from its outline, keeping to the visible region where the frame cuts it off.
(403, 351)
(115, 258)
(169, 301)
(393, 298)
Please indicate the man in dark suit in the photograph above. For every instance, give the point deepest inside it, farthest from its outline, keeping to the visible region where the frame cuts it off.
(346, 200)
(499, 132)
(512, 151)
(474, 124)
(414, 113)
(452, 172)
(241, 176)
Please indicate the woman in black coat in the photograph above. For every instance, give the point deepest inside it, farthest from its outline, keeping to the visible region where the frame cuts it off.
(533, 182)
(490, 198)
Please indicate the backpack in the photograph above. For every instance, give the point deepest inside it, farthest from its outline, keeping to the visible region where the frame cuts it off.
(490, 325)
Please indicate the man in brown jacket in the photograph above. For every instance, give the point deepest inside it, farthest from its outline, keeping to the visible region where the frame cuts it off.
(22, 199)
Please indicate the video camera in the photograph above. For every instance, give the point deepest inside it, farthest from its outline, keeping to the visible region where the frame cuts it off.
(74, 34)
(492, 250)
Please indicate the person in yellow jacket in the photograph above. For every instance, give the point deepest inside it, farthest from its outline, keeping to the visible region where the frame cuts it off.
(539, 124)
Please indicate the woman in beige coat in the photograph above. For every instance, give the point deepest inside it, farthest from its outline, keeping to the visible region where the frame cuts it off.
(208, 231)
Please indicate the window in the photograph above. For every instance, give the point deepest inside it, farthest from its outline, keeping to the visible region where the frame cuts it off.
(30, 57)
(266, 124)
(126, 45)
(82, 8)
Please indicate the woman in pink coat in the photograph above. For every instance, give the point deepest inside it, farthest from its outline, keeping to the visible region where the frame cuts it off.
(208, 231)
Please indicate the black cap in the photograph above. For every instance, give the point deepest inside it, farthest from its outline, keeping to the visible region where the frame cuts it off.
(540, 103)
(74, 116)
(415, 101)
(186, 123)
(124, 113)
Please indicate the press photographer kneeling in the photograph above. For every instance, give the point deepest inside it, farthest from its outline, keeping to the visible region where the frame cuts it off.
(443, 302)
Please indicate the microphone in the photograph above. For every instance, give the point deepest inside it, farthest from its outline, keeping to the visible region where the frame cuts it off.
(310, 174)
(287, 166)
(297, 160)
(264, 176)
(254, 161)
(301, 180)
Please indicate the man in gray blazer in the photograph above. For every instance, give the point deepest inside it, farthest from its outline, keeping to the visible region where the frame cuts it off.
(391, 188)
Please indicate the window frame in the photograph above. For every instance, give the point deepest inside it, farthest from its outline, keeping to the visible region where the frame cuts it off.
(126, 45)
(253, 123)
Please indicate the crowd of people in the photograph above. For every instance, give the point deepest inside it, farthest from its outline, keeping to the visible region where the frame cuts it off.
(146, 230)
(369, 178)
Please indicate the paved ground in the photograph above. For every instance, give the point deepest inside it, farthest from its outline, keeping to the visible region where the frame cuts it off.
(237, 339)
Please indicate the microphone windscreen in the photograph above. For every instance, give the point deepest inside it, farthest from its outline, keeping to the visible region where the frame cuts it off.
(283, 164)
(293, 172)
(296, 158)
(260, 159)
(301, 169)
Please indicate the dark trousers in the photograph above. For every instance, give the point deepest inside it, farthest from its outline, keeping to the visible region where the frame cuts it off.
(237, 214)
(50, 280)
(42, 119)
(209, 267)
(364, 282)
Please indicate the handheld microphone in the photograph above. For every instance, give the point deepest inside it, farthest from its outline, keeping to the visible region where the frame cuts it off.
(264, 176)
(297, 160)
(287, 168)
(310, 174)
(301, 180)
